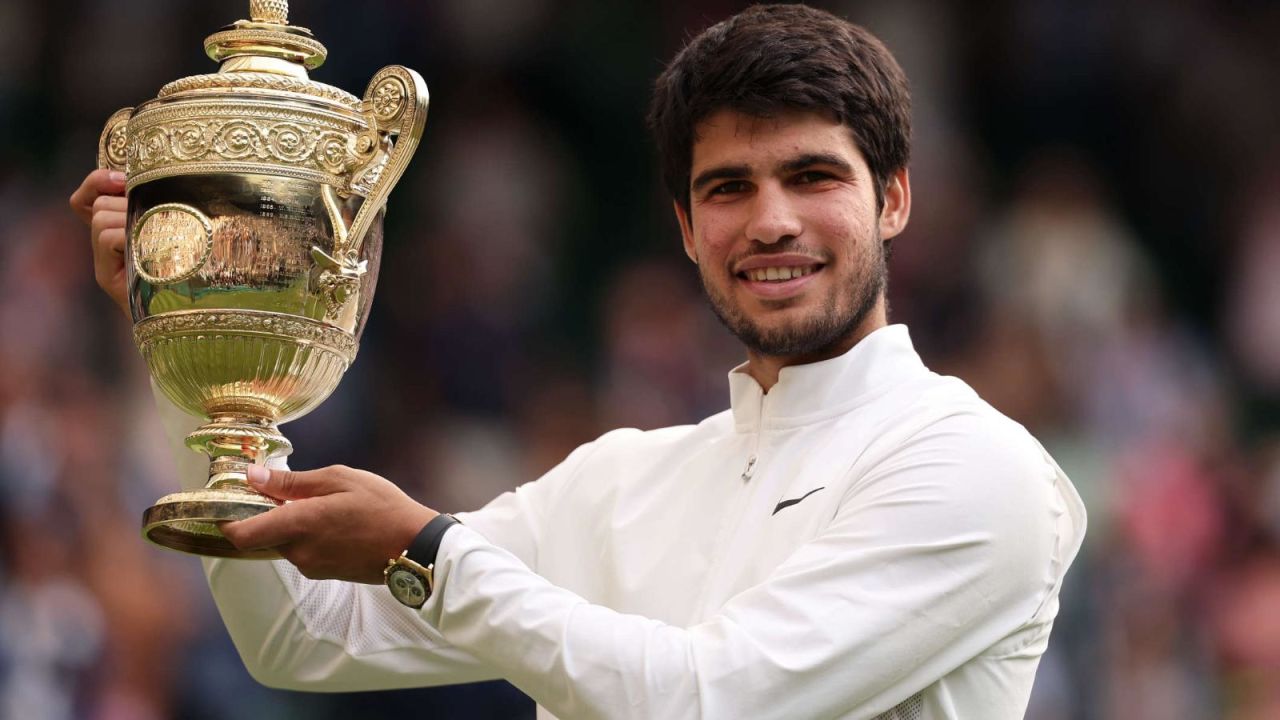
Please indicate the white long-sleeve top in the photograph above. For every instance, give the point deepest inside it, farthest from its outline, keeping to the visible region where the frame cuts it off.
(866, 540)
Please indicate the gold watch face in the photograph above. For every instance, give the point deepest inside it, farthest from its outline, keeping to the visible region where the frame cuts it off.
(407, 586)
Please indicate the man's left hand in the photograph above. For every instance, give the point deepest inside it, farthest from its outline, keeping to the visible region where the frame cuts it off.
(340, 523)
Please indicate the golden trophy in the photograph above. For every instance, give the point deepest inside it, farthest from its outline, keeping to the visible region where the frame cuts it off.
(254, 231)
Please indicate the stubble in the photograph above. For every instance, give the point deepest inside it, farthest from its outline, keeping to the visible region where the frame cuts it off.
(842, 312)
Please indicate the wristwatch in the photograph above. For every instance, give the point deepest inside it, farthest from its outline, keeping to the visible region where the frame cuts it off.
(410, 577)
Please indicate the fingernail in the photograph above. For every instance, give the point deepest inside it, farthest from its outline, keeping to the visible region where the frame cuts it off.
(257, 475)
(117, 176)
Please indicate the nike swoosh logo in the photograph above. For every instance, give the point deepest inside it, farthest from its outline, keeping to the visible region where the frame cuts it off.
(793, 501)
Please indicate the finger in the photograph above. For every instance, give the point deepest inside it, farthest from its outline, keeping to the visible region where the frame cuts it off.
(108, 265)
(107, 220)
(114, 203)
(98, 182)
(294, 484)
(108, 245)
(111, 244)
(273, 528)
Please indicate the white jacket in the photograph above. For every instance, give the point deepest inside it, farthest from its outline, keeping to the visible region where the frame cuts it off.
(868, 539)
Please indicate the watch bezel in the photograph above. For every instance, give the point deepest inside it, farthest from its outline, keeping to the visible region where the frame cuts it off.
(403, 565)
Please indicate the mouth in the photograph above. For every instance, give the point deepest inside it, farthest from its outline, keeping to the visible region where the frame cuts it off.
(778, 281)
(778, 273)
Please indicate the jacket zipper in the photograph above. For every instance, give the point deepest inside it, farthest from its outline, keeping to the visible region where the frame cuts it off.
(750, 469)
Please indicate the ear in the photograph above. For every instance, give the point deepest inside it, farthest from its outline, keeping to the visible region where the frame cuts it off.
(686, 232)
(897, 204)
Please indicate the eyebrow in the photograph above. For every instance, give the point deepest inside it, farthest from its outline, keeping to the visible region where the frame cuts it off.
(800, 162)
(810, 159)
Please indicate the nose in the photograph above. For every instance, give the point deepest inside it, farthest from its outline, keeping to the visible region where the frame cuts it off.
(773, 216)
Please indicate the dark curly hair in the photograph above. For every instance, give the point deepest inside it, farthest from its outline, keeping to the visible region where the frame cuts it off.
(772, 58)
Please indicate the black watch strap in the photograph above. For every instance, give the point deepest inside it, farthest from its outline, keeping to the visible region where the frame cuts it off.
(424, 547)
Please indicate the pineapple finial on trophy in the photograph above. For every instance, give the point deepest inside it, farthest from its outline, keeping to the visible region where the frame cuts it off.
(269, 11)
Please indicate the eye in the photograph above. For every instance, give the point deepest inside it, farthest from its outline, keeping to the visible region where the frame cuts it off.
(731, 187)
(808, 177)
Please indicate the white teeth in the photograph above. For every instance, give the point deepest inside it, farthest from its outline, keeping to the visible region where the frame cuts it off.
(778, 274)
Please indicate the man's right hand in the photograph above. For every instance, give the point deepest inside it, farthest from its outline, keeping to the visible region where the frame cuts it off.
(100, 203)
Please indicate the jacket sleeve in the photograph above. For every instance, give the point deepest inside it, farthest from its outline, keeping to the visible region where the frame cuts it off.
(328, 635)
(954, 542)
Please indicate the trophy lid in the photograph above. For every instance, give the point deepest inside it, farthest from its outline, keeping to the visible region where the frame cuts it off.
(264, 53)
(260, 113)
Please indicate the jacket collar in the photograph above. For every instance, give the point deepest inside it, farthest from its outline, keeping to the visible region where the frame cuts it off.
(813, 392)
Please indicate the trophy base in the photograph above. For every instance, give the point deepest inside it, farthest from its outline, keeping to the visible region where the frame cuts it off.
(188, 521)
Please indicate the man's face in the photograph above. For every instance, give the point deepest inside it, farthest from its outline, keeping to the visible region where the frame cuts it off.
(784, 228)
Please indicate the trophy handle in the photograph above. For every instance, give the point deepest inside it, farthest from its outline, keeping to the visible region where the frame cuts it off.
(113, 143)
(396, 102)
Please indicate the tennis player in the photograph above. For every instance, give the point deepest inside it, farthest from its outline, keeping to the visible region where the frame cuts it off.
(855, 537)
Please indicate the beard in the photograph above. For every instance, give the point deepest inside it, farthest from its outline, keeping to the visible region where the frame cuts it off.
(842, 311)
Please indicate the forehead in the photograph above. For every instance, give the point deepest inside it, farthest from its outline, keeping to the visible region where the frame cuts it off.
(728, 137)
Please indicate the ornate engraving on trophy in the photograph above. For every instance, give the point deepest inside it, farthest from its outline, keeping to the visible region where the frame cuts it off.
(118, 144)
(388, 98)
(171, 242)
(168, 141)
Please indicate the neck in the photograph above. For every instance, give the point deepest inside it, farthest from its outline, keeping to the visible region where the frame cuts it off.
(765, 368)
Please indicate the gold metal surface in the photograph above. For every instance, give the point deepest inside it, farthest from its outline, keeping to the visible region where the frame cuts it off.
(188, 521)
(255, 205)
(267, 35)
(247, 40)
(272, 365)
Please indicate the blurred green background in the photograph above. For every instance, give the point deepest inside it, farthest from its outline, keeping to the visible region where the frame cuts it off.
(1095, 246)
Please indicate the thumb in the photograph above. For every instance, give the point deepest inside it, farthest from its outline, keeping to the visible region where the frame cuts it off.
(291, 484)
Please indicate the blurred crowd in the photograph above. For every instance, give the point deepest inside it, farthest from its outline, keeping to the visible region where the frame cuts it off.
(1095, 247)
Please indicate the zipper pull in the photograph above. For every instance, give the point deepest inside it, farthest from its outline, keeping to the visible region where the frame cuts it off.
(751, 464)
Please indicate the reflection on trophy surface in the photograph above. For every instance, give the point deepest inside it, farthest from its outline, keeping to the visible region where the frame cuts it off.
(254, 233)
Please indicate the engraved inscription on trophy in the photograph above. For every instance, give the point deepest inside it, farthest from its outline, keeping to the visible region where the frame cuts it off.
(171, 242)
(295, 217)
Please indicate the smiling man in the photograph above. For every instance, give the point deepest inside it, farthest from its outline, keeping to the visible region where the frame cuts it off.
(785, 221)
(855, 537)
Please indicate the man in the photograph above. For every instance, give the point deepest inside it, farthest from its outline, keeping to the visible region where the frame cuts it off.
(856, 537)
